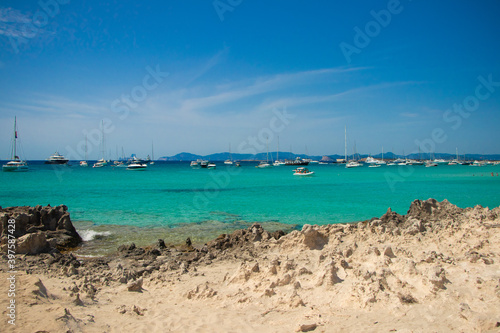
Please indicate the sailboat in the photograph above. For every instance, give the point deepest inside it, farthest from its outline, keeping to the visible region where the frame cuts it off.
(266, 163)
(152, 155)
(278, 162)
(351, 164)
(102, 162)
(230, 160)
(16, 164)
(455, 161)
(84, 162)
(431, 162)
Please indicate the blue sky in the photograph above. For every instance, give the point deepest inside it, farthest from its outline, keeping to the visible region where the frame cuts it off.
(197, 76)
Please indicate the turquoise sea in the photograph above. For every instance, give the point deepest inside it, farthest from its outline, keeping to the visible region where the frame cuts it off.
(172, 201)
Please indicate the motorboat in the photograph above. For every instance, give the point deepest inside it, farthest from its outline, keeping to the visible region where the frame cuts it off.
(101, 163)
(56, 158)
(137, 166)
(84, 164)
(477, 163)
(296, 161)
(195, 164)
(211, 165)
(15, 164)
(429, 164)
(301, 171)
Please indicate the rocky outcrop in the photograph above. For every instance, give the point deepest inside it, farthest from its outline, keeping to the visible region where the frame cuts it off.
(38, 229)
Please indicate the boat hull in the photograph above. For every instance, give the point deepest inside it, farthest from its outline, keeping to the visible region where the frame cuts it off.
(14, 168)
(57, 162)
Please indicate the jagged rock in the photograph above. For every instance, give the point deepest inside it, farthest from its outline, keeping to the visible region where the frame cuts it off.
(54, 223)
(388, 252)
(307, 327)
(431, 209)
(77, 301)
(329, 276)
(135, 285)
(161, 244)
(39, 289)
(312, 238)
(240, 238)
(437, 276)
(32, 243)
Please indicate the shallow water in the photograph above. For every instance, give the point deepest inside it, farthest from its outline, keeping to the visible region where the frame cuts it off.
(173, 201)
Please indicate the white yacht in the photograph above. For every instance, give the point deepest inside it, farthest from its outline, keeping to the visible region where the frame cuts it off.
(15, 164)
(137, 166)
(56, 158)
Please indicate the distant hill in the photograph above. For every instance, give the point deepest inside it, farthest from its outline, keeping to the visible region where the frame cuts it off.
(184, 156)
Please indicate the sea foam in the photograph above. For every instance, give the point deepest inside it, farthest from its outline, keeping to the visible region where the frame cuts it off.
(88, 235)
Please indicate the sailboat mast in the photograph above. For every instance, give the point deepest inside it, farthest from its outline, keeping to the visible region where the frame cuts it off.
(278, 152)
(15, 138)
(267, 147)
(103, 149)
(345, 143)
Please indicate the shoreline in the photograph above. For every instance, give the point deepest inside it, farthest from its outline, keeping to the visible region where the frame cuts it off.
(384, 274)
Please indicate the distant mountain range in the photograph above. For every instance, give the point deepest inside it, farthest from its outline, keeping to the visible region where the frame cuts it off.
(287, 155)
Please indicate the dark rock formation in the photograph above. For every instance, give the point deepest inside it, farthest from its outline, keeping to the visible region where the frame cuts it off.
(39, 229)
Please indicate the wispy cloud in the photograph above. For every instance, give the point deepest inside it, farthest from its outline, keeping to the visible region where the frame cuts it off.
(258, 86)
(408, 114)
(13, 23)
(48, 106)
